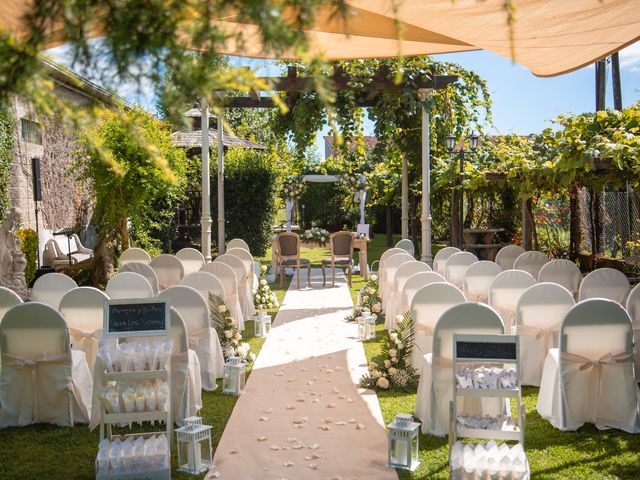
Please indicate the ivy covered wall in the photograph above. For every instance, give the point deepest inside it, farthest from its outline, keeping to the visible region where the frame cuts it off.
(6, 154)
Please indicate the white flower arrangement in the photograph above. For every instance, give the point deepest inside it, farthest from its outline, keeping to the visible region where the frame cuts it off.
(264, 298)
(229, 336)
(352, 182)
(293, 187)
(315, 234)
(368, 301)
(394, 370)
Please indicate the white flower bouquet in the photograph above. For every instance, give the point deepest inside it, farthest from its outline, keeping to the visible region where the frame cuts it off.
(393, 370)
(316, 235)
(264, 298)
(229, 336)
(293, 187)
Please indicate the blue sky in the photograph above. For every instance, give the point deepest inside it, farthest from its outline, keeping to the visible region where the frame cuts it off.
(522, 102)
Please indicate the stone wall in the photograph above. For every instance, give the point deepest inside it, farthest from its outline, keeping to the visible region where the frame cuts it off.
(66, 202)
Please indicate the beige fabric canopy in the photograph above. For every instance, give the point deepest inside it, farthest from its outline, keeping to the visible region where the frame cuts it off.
(550, 37)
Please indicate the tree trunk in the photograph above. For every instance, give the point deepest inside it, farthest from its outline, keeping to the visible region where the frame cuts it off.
(470, 206)
(528, 225)
(123, 230)
(389, 227)
(598, 222)
(456, 234)
(575, 229)
(103, 261)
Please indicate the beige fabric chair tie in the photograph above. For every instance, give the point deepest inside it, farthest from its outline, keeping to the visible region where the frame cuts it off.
(89, 340)
(29, 410)
(597, 367)
(195, 337)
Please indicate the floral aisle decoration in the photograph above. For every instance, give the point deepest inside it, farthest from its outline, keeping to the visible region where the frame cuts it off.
(394, 371)
(352, 183)
(316, 235)
(230, 338)
(264, 298)
(369, 301)
(293, 187)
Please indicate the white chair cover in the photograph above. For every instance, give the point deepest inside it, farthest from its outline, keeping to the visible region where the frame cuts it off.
(51, 287)
(391, 266)
(244, 290)
(531, 262)
(455, 268)
(383, 258)
(205, 283)
(256, 276)
(441, 258)
(605, 283)
(538, 317)
(238, 243)
(83, 310)
(227, 276)
(633, 309)
(477, 280)
(507, 255)
(134, 255)
(435, 389)
(146, 271)
(42, 379)
(129, 285)
(589, 378)
(428, 304)
(563, 272)
(505, 291)
(414, 283)
(8, 300)
(186, 377)
(192, 260)
(407, 245)
(168, 269)
(203, 339)
(247, 260)
(394, 304)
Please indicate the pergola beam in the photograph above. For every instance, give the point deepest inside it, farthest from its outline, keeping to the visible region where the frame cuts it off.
(294, 85)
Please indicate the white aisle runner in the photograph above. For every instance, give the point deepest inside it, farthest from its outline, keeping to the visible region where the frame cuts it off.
(302, 416)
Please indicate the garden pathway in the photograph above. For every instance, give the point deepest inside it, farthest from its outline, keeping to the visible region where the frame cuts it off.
(302, 416)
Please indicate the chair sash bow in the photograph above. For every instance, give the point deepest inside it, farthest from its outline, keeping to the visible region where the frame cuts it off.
(26, 415)
(596, 367)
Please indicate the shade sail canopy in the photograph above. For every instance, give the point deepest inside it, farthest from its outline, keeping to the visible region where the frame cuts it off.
(550, 37)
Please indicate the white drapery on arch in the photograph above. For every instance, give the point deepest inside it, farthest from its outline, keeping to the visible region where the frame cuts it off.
(360, 196)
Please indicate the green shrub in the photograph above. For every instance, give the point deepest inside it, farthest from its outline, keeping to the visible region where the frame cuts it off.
(250, 196)
(30, 249)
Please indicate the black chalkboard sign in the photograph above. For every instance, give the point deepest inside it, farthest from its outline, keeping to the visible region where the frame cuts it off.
(486, 350)
(136, 317)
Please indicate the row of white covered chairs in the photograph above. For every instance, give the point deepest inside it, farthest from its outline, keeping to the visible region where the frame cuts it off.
(82, 308)
(235, 269)
(588, 379)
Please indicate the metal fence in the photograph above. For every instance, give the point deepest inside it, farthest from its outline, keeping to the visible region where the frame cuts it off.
(621, 222)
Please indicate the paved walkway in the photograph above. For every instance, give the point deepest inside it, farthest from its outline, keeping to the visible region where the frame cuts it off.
(302, 416)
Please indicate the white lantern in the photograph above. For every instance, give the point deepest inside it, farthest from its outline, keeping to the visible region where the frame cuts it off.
(369, 326)
(403, 442)
(234, 376)
(194, 446)
(362, 334)
(261, 324)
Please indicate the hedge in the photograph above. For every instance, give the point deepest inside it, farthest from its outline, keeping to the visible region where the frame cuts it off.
(250, 195)
(6, 154)
(30, 249)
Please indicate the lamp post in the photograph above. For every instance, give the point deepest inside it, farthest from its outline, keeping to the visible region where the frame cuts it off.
(473, 145)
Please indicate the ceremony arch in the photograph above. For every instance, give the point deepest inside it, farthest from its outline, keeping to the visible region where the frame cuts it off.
(359, 197)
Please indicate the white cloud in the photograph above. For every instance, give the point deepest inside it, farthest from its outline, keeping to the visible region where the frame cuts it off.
(630, 58)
